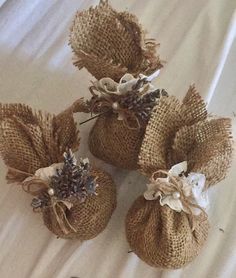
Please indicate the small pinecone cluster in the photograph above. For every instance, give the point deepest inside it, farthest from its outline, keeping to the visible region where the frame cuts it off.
(71, 180)
(141, 105)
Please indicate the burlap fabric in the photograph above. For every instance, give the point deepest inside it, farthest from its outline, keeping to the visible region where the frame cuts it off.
(112, 141)
(177, 132)
(31, 140)
(90, 217)
(110, 43)
(162, 237)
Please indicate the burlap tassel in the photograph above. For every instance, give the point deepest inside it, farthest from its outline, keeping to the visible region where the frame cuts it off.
(30, 141)
(176, 132)
(110, 43)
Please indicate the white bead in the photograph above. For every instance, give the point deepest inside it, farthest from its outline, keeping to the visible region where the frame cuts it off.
(115, 105)
(176, 195)
(51, 191)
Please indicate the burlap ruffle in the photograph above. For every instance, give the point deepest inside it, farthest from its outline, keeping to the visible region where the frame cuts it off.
(90, 217)
(110, 43)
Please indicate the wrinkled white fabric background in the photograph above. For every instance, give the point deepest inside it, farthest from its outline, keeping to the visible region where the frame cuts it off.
(198, 43)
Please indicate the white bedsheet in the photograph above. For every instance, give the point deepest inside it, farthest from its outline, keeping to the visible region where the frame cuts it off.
(198, 43)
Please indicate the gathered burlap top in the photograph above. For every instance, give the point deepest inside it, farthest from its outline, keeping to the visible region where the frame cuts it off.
(110, 43)
(183, 132)
(31, 140)
(177, 132)
(88, 218)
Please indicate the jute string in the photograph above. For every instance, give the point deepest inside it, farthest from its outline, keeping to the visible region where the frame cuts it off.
(105, 102)
(174, 184)
(55, 203)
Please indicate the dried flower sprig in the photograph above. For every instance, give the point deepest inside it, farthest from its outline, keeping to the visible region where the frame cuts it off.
(71, 180)
(131, 98)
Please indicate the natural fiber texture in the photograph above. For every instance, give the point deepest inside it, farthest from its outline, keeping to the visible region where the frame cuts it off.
(31, 140)
(112, 141)
(110, 43)
(178, 132)
(162, 237)
(90, 217)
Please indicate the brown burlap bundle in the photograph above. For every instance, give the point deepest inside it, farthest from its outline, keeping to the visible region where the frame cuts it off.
(89, 218)
(176, 132)
(112, 141)
(110, 43)
(123, 110)
(30, 141)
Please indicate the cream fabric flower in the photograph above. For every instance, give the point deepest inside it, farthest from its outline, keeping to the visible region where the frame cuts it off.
(46, 173)
(192, 187)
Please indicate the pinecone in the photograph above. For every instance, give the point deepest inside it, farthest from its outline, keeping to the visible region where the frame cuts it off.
(40, 201)
(73, 180)
(141, 105)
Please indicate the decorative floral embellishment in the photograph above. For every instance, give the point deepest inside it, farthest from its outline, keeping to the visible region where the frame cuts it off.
(178, 191)
(130, 98)
(46, 173)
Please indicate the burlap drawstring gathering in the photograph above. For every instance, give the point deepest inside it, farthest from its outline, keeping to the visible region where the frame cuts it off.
(30, 141)
(176, 132)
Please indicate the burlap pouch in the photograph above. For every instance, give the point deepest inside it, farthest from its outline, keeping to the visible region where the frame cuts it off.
(33, 141)
(158, 234)
(110, 43)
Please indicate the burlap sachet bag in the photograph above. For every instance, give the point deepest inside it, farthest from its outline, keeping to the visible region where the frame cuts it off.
(183, 152)
(75, 199)
(113, 47)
